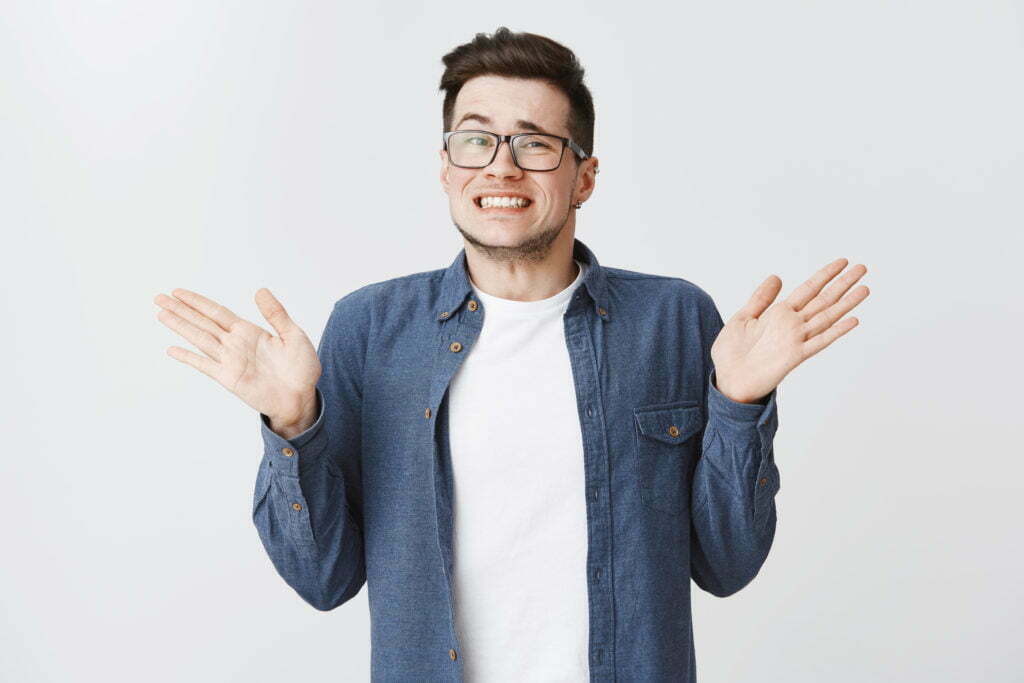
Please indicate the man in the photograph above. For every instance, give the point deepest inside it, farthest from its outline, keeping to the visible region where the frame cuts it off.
(526, 455)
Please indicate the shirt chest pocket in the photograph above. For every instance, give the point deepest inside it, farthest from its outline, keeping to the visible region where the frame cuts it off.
(666, 447)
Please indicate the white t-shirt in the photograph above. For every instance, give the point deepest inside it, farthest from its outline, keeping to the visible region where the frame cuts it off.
(520, 521)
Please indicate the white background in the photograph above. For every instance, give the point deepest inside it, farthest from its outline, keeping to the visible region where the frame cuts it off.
(224, 147)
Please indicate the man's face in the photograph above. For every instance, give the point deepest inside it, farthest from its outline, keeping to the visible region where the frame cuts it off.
(506, 106)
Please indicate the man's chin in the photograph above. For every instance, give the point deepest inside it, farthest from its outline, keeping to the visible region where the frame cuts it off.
(523, 240)
(500, 232)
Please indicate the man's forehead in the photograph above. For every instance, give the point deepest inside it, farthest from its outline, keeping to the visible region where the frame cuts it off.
(507, 103)
(474, 118)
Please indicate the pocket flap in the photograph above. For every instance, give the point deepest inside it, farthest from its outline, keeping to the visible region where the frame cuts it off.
(672, 424)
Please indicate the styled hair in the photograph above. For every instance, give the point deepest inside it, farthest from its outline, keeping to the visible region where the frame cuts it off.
(522, 55)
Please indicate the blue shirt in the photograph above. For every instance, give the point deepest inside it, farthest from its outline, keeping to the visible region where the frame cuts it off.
(680, 480)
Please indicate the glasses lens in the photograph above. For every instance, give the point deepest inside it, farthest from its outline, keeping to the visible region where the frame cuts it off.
(470, 148)
(538, 152)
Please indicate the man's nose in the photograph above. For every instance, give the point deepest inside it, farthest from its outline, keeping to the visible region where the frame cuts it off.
(504, 165)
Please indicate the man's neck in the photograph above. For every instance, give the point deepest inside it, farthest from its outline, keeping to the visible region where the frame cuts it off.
(525, 279)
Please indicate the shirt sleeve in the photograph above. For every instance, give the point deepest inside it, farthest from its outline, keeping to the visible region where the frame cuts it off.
(306, 500)
(732, 502)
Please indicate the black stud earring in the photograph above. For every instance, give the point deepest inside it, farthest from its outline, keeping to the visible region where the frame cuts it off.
(578, 205)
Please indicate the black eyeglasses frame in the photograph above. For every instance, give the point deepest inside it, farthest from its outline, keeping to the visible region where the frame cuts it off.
(510, 139)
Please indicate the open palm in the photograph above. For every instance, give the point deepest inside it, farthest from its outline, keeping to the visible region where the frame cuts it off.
(275, 375)
(762, 342)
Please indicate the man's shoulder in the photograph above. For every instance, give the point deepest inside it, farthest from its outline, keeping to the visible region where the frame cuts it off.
(648, 285)
(404, 289)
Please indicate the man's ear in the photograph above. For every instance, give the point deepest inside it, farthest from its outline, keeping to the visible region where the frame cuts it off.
(444, 171)
(588, 179)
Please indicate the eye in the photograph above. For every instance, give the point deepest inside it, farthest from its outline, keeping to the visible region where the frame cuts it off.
(478, 140)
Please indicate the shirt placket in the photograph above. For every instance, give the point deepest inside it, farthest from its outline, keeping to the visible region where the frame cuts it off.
(584, 361)
(456, 337)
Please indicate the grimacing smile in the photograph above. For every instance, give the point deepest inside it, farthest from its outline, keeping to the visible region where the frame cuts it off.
(502, 201)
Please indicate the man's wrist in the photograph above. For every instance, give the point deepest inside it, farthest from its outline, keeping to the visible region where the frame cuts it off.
(291, 428)
(736, 395)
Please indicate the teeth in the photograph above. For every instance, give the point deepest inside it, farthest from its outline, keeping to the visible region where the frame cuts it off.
(506, 202)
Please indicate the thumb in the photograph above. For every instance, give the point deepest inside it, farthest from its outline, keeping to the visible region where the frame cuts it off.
(761, 299)
(274, 312)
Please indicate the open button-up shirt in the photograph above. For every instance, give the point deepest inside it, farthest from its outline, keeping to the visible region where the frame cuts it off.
(680, 480)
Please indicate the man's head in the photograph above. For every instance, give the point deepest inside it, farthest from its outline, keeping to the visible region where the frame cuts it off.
(516, 83)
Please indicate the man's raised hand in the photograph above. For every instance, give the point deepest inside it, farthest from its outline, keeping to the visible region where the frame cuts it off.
(275, 375)
(758, 347)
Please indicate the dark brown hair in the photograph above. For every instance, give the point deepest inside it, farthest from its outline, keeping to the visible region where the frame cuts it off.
(522, 55)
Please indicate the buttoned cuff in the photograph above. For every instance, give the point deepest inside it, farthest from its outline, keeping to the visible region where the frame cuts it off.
(742, 416)
(284, 453)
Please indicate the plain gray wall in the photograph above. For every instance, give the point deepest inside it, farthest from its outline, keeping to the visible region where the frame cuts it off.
(224, 147)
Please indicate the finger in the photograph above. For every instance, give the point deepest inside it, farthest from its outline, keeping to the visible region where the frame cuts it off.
(761, 299)
(211, 309)
(202, 339)
(190, 314)
(274, 312)
(203, 365)
(799, 297)
(817, 343)
(832, 293)
(825, 318)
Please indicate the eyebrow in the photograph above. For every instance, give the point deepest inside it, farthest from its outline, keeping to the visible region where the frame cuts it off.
(520, 124)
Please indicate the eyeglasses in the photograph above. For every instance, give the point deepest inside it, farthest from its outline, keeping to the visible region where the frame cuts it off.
(530, 151)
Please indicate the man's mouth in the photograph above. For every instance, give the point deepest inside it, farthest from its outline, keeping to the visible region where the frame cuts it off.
(502, 204)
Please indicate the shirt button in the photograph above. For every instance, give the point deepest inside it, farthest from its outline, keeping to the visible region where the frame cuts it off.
(597, 573)
(455, 347)
(674, 431)
(472, 305)
(287, 451)
(426, 413)
(763, 481)
(296, 506)
(602, 311)
(451, 653)
(590, 411)
(445, 314)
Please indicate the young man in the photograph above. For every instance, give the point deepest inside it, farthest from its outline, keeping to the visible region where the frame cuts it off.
(526, 455)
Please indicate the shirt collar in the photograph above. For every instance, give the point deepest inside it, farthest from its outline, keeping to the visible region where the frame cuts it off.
(455, 286)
